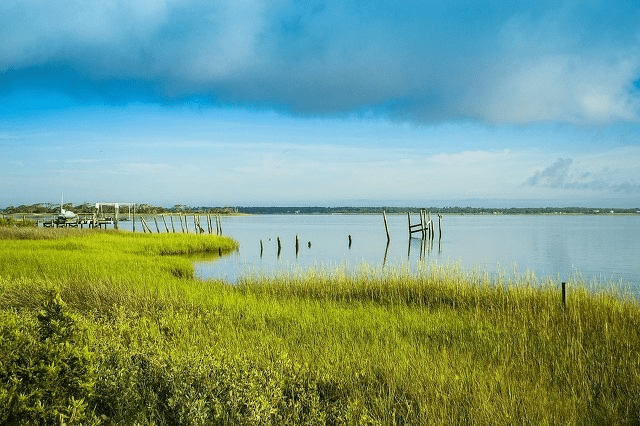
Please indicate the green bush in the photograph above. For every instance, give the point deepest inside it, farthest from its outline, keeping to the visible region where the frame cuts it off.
(46, 376)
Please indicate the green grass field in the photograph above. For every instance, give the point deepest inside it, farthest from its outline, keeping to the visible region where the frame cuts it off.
(103, 327)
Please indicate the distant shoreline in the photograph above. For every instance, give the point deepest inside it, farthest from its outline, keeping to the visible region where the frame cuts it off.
(45, 209)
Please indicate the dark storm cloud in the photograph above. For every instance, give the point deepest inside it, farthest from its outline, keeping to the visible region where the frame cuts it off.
(560, 176)
(498, 61)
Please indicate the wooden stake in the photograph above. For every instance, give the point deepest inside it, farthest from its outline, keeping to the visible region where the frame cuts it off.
(165, 223)
(155, 219)
(386, 227)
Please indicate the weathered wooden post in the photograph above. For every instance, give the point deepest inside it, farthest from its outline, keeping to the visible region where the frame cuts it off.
(261, 248)
(386, 227)
(432, 230)
(279, 246)
(349, 240)
(439, 226)
(165, 223)
(173, 228)
(155, 219)
(134, 218)
(297, 244)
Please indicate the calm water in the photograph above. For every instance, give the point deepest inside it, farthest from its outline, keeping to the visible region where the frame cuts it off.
(607, 247)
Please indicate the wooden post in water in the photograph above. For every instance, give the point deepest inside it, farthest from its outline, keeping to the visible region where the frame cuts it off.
(145, 225)
(173, 228)
(297, 244)
(261, 248)
(386, 227)
(279, 246)
(134, 218)
(349, 240)
(439, 226)
(155, 219)
(165, 223)
(220, 220)
(141, 223)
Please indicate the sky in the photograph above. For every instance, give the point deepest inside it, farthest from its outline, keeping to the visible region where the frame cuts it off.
(500, 103)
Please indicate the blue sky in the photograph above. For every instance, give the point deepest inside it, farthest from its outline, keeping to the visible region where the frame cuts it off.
(256, 102)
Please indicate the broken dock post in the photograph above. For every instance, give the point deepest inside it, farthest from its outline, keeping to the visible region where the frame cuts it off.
(386, 226)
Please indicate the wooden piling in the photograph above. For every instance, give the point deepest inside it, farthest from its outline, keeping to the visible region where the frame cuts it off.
(349, 240)
(261, 248)
(386, 227)
(279, 246)
(173, 228)
(439, 226)
(145, 225)
(297, 244)
(166, 228)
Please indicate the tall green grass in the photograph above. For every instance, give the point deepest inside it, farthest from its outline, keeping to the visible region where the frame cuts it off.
(319, 346)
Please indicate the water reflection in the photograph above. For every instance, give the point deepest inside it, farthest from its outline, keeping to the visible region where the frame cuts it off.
(547, 245)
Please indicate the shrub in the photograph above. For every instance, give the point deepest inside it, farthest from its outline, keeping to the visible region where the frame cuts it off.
(47, 376)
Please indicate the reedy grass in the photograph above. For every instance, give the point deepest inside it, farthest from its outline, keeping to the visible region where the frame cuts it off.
(380, 346)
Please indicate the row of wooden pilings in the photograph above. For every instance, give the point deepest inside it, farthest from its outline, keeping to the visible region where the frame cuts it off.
(184, 225)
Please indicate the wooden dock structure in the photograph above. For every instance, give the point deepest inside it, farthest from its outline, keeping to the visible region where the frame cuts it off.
(425, 226)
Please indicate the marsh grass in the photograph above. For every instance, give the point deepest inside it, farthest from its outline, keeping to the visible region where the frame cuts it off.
(436, 345)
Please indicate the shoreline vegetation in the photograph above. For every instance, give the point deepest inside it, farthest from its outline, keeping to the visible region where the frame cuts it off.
(107, 327)
(49, 208)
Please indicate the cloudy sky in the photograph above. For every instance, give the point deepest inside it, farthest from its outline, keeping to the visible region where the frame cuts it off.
(320, 102)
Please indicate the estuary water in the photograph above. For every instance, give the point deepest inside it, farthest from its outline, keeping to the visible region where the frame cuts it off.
(604, 247)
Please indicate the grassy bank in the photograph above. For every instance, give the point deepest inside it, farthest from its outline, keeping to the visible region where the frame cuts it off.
(112, 328)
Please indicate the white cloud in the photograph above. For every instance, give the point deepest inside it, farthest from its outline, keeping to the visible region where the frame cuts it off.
(566, 88)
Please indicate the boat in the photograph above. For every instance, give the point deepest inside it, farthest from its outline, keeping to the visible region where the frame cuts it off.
(65, 216)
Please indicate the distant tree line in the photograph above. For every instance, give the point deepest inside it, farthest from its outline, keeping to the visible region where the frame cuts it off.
(181, 208)
(450, 210)
(44, 208)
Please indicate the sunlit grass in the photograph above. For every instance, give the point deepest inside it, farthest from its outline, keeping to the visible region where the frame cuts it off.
(436, 345)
